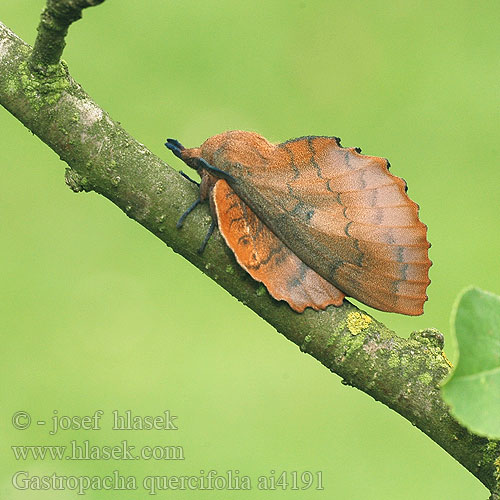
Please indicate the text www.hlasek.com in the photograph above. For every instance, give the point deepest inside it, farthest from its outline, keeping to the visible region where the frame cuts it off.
(86, 451)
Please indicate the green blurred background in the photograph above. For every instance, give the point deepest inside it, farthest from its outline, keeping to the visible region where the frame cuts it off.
(96, 313)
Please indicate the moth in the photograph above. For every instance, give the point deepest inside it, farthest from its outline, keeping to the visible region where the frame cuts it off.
(314, 221)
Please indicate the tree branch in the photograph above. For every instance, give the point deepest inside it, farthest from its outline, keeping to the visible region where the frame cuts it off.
(402, 373)
(53, 28)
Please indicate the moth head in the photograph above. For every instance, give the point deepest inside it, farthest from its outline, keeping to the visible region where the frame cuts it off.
(191, 157)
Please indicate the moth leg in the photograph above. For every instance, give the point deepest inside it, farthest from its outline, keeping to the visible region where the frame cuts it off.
(182, 218)
(186, 176)
(207, 237)
(204, 164)
(176, 147)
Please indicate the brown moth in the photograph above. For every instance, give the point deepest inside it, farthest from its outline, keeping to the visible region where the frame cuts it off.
(314, 221)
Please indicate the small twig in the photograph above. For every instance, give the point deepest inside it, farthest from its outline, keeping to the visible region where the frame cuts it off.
(54, 23)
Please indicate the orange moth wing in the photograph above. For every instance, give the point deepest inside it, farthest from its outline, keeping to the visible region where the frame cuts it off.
(348, 218)
(266, 258)
(342, 214)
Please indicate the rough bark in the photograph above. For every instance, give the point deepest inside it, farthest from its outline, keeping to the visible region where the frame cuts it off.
(404, 374)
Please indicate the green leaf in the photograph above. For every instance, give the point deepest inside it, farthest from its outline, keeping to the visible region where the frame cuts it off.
(473, 390)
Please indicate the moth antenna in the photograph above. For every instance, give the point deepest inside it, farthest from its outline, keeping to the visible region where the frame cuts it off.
(175, 146)
(207, 237)
(211, 168)
(186, 176)
(175, 142)
(182, 218)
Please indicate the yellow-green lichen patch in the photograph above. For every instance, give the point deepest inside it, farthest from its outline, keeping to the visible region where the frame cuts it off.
(393, 360)
(349, 345)
(229, 269)
(425, 378)
(337, 331)
(11, 86)
(357, 322)
(43, 89)
(261, 290)
(307, 340)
